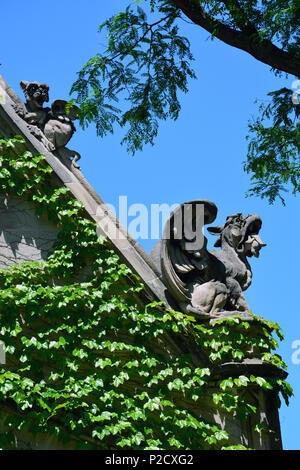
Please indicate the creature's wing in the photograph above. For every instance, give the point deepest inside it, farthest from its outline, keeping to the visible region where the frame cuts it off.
(183, 248)
(180, 260)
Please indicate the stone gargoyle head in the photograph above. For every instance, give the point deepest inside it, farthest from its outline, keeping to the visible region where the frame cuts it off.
(241, 233)
(36, 94)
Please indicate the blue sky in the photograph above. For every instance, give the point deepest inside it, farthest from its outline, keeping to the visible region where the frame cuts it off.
(198, 156)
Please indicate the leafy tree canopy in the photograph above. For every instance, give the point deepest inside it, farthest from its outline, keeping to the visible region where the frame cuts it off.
(136, 80)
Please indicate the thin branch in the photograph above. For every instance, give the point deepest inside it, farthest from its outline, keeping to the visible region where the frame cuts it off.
(149, 61)
(149, 28)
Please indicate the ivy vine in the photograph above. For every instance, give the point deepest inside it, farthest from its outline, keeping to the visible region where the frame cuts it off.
(85, 361)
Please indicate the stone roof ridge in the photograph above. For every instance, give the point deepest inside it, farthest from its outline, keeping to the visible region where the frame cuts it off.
(129, 250)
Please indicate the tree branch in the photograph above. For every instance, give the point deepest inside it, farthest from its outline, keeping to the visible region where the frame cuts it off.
(261, 49)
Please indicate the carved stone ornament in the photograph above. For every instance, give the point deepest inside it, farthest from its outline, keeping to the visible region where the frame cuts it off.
(201, 281)
(53, 126)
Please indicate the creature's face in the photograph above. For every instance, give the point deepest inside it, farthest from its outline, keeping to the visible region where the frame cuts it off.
(35, 93)
(233, 229)
(241, 233)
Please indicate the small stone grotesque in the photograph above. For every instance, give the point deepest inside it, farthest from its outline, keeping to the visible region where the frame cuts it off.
(53, 126)
(208, 282)
(36, 95)
(59, 129)
(32, 111)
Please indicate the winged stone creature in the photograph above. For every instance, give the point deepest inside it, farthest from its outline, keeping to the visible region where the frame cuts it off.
(59, 129)
(201, 281)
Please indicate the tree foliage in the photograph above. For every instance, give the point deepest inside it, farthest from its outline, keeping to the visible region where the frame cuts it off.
(273, 154)
(145, 64)
(136, 81)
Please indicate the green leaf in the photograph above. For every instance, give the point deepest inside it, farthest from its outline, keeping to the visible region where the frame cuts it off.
(226, 383)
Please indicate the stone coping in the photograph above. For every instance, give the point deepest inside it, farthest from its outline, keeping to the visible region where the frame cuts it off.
(249, 366)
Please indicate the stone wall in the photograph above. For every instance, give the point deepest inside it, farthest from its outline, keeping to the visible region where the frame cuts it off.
(23, 235)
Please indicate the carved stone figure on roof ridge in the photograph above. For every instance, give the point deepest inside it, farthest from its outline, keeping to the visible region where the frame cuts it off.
(202, 281)
(53, 126)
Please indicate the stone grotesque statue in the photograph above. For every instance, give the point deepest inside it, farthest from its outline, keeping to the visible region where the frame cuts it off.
(201, 281)
(36, 95)
(59, 129)
(53, 126)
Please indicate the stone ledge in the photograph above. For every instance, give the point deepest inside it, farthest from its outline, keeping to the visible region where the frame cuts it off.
(249, 366)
